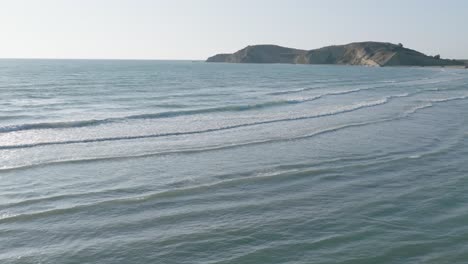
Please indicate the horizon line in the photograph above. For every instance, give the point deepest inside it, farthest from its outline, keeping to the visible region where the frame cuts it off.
(119, 59)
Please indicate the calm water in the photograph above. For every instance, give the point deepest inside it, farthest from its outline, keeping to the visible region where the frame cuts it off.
(181, 162)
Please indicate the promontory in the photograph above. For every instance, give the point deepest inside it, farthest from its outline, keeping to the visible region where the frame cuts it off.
(359, 53)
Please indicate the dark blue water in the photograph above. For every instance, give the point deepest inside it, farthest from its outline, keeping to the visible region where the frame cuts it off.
(183, 162)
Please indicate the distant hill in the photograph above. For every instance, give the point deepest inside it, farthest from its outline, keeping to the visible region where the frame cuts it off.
(359, 53)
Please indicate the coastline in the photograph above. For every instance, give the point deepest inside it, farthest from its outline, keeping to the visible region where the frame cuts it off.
(452, 67)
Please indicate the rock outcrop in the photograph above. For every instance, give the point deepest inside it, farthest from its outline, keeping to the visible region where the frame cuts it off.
(360, 53)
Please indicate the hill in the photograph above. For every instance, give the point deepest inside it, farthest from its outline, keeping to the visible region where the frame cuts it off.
(359, 53)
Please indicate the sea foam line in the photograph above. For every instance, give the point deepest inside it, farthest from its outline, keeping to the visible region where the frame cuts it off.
(215, 148)
(93, 140)
(421, 82)
(169, 114)
(223, 147)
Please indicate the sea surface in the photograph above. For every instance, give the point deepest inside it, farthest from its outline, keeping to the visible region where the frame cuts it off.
(188, 162)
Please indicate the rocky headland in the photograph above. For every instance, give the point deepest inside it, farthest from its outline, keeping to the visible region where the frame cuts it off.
(359, 53)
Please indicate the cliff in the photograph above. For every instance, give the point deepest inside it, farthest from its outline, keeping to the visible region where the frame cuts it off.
(360, 53)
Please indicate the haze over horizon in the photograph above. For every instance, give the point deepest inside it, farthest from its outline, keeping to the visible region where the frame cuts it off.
(183, 29)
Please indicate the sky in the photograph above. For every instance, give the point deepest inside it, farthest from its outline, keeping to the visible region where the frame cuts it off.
(196, 29)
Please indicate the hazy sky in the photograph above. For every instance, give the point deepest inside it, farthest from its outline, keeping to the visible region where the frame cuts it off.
(196, 29)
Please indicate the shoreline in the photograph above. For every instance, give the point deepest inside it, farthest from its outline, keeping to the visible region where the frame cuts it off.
(458, 67)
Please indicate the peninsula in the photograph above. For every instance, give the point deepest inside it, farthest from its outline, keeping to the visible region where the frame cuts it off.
(360, 53)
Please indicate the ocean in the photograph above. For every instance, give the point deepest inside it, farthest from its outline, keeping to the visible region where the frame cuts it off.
(107, 161)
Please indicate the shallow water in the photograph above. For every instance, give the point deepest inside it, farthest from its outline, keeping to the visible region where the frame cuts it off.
(182, 162)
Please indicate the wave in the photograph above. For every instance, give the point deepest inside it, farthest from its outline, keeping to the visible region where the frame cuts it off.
(52, 125)
(366, 87)
(183, 191)
(325, 94)
(12, 117)
(69, 196)
(296, 171)
(390, 83)
(215, 148)
(432, 102)
(419, 107)
(169, 114)
(293, 91)
(93, 140)
(135, 193)
(443, 100)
